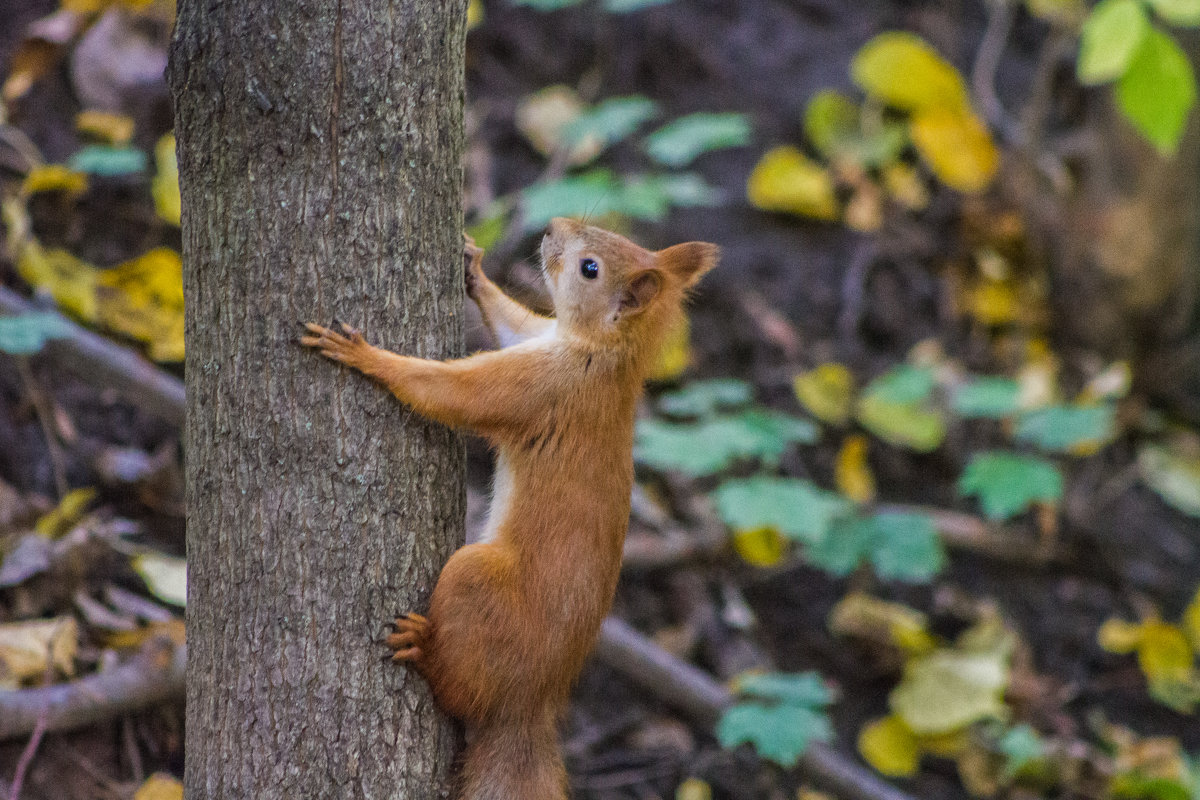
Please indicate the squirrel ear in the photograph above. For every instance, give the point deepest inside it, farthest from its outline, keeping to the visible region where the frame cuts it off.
(639, 292)
(689, 261)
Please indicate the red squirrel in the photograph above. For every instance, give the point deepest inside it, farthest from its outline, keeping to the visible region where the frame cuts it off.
(513, 616)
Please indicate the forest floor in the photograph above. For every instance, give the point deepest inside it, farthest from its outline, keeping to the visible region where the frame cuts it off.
(790, 294)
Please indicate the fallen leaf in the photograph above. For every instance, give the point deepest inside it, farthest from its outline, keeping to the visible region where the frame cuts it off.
(953, 687)
(143, 299)
(1173, 474)
(866, 617)
(160, 786)
(798, 509)
(166, 576)
(851, 473)
(28, 649)
(701, 398)
(54, 178)
(110, 127)
(826, 392)
(1111, 35)
(675, 354)
(64, 516)
(888, 745)
(760, 547)
(69, 280)
(957, 147)
(905, 72)
(26, 334)
(1009, 483)
(693, 789)
(786, 180)
(165, 185)
(44, 43)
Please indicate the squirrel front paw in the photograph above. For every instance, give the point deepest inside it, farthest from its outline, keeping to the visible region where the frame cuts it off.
(410, 638)
(347, 347)
(473, 274)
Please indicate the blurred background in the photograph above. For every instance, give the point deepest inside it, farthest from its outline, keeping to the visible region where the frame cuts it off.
(920, 478)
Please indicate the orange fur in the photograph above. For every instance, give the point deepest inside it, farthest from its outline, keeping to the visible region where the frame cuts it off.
(512, 618)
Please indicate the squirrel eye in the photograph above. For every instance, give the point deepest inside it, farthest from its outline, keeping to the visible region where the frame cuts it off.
(588, 268)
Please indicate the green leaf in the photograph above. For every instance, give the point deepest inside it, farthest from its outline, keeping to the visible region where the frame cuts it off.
(1111, 35)
(678, 143)
(800, 689)
(1178, 12)
(786, 714)
(903, 385)
(1157, 91)
(831, 123)
(1068, 428)
(685, 190)
(796, 508)
(625, 6)
(611, 120)
(1007, 483)
(991, 398)
(1174, 476)
(109, 161)
(780, 733)
(701, 398)
(905, 547)
(710, 446)
(598, 192)
(900, 546)
(25, 334)
(830, 119)
(1021, 747)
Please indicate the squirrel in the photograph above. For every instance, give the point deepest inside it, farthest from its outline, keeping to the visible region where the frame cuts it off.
(513, 616)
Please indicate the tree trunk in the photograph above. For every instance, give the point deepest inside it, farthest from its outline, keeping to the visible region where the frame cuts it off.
(319, 152)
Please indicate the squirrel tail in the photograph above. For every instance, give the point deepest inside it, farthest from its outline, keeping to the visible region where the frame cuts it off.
(505, 760)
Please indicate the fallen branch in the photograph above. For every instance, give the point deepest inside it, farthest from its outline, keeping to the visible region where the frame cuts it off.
(700, 697)
(105, 363)
(154, 676)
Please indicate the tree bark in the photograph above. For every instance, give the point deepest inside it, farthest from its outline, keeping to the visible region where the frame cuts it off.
(319, 151)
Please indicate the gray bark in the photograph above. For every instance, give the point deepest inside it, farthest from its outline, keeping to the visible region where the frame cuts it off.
(319, 151)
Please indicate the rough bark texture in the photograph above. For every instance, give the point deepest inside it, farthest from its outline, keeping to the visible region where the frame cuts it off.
(319, 152)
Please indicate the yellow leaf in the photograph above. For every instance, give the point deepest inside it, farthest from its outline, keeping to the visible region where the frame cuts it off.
(890, 747)
(160, 786)
(867, 617)
(143, 299)
(70, 281)
(1119, 636)
(54, 178)
(954, 687)
(544, 117)
(165, 184)
(1163, 653)
(64, 516)
(905, 72)
(993, 302)
(107, 126)
(904, 185)
(957, 147)
(851, 472)
(165, 575)
(173, 629)
(28, 648)
(474, 14)
(787, 180)
(826, 392)
(676, 353)
(762, 547)
(946, 745)
(693, 789)
(1191, 621)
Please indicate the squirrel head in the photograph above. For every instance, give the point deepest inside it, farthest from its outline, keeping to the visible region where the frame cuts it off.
(610, 292)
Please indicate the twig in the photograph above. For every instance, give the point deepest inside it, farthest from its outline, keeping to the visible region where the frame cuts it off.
(854, 287)
(701, 698)
(39, 730)
(102, 362)
(155, 675)
(987, 61)
(44, 416)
